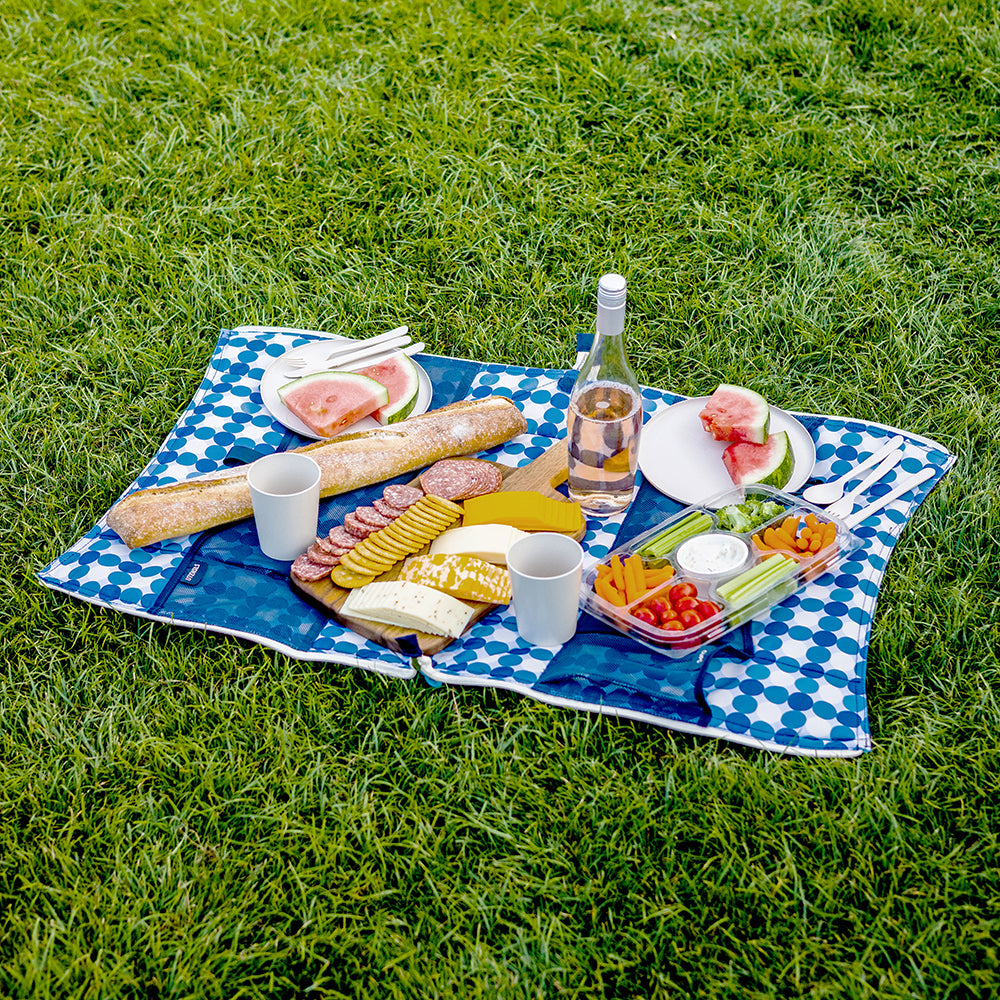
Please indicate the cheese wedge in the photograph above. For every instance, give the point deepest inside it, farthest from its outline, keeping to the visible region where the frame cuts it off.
(409, 605)
(524, 509)
(486, 541)
(468, 578)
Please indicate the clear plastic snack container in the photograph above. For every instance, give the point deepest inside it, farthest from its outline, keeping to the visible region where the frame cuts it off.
(714, 566)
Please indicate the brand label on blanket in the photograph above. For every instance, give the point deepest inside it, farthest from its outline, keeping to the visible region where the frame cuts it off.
(193, 574)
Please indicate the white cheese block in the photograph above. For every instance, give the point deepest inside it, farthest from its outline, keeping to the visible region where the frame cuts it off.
(409, 605)
(487, 541)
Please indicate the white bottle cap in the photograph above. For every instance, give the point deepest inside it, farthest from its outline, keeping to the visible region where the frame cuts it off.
(611, 291)
(611, 305)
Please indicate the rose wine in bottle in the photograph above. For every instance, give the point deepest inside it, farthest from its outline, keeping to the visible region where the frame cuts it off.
(605, 413)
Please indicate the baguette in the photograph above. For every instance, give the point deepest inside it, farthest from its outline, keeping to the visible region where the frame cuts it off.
(346, 463)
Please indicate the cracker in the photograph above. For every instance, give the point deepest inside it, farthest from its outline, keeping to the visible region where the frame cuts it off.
(377, 547)
(361, 564)
(348, 578)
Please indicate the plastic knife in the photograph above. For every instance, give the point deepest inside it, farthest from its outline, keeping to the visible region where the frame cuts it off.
(909, 483)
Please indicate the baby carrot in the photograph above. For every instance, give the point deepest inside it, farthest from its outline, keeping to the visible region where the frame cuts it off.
(604, 587)
(654, 577)
(635, 585)
(778, 538)
(618, 573)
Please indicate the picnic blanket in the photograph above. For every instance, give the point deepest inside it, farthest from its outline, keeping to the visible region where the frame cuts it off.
(793, 682)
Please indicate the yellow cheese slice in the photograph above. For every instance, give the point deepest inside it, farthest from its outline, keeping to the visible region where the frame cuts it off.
(523, 509)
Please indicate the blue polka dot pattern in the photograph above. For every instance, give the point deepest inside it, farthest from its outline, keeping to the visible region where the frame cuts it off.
(801, 691)
(823, 630)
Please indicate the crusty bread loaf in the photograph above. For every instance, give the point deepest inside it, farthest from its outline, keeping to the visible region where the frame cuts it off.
(346, 463)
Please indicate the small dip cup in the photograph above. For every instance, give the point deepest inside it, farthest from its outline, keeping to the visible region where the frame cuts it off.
(712, 555)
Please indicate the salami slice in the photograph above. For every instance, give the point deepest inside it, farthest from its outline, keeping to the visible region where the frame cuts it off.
(307, 571)
(401, 497)
(340, 537)
(387, 510)
(357, 527)
(461, 478)
(371, 516)
(318, 555)
(329, 548)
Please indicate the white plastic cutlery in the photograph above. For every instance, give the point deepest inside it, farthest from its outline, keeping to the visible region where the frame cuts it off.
(346, 360)
(823, 494)
(845, 504)
(359, 360)
(905, 485)
(349, 348)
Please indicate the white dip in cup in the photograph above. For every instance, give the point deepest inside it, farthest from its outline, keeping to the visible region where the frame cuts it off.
(284, 490)
(546, 569)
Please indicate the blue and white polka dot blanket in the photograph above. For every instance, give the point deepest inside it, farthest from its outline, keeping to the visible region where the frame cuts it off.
(792, 683)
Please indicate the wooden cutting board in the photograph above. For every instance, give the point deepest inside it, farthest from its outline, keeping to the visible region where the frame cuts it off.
(542, 475)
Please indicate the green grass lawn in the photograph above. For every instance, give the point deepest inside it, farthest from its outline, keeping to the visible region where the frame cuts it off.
(803, 197)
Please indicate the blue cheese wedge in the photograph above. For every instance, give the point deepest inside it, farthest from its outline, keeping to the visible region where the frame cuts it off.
(409, 605)
(485, 541)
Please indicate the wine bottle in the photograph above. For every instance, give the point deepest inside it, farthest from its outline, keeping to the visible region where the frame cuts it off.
(605, 413)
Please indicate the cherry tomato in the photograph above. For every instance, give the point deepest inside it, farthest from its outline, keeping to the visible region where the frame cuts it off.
(668, 615)
(686, 604)
(658, 606)
(645, 615)
(679, 590)
(690, 618)
(707, 609)
(672, 625)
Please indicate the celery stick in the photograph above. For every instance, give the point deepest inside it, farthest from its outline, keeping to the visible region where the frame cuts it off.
(756, 581)
(774, 566)
(745, 578)
(744, 611)
(675, 534)
(773, 569)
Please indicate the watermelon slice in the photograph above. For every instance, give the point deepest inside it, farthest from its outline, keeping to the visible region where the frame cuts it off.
(327, 402)
(770, 464)
(399, 375)
(733, 413)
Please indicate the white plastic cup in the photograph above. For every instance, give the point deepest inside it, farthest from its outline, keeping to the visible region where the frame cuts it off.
(546, 570)
(284, 491)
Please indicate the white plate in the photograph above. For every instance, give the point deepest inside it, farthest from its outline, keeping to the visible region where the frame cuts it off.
(315, 354)
(682, 460)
